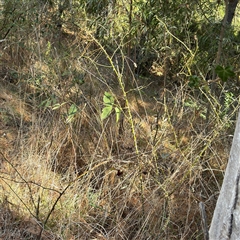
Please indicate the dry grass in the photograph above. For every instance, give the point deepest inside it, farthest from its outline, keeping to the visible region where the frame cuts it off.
(77, 177)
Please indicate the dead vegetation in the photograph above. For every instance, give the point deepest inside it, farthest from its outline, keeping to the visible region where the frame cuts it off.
(65, 174)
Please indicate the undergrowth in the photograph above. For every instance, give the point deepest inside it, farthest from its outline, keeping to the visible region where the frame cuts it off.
(68, 174)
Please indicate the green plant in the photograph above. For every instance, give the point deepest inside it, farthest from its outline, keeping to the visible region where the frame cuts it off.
(52, 104)
(73, 109)
(224, 73)
(194, 81)
(108, 101)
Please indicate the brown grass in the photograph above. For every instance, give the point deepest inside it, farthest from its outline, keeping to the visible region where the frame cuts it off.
(82, 178)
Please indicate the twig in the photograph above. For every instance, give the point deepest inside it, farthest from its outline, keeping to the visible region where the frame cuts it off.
(204, 221)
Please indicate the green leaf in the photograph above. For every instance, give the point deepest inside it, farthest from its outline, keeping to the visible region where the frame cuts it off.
(57, 106)
(106, 111)
(118, 113)
(71, 113)
(224, 73)
(46, 103)
(72, 110)
(79, 81)
(194, 81)
(108, 99)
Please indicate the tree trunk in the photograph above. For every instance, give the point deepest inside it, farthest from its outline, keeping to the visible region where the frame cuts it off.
(226, 218)
(232, 5)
